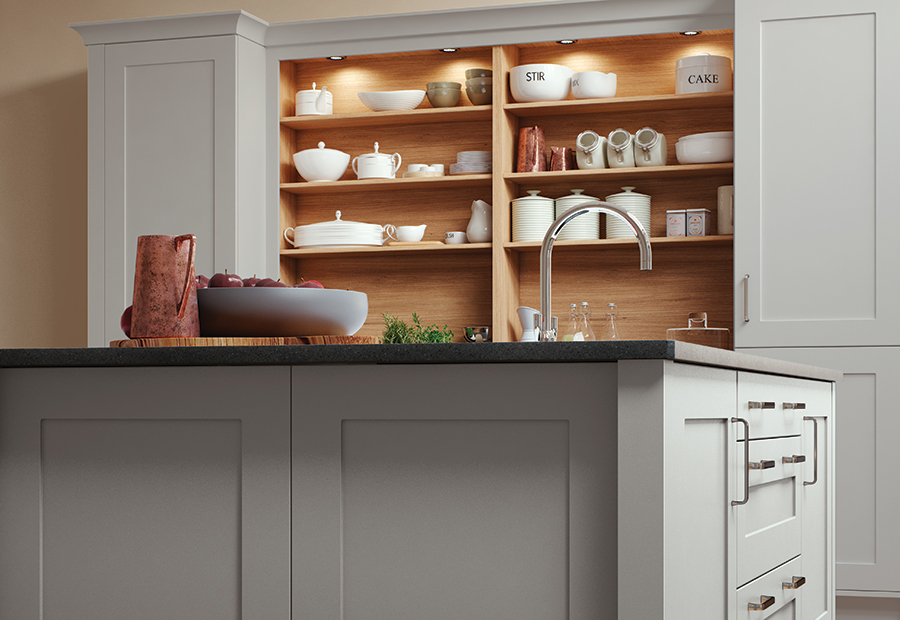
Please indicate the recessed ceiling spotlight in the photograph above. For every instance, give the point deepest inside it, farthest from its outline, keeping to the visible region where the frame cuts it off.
(336, 57)
(567, 41)
(691, 33)
(449, 50)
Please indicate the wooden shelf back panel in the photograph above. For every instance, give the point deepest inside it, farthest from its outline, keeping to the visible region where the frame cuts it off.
(456, 293)
(644, 66)
(684, 279)
(408, 71)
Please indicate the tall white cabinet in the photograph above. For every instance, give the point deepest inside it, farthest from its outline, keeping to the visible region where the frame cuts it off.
(176, 145)
(815, 85)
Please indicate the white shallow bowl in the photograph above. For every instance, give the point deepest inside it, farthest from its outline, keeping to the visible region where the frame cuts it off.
(280, 312)
(540, 82)
(704, 150)
(321, 164)
(593, 84)
(392, 100)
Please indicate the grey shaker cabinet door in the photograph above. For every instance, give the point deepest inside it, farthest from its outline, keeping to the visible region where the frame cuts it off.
(144, 493)
(454, 491)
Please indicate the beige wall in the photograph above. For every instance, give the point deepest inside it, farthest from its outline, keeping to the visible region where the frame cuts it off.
(43, 147)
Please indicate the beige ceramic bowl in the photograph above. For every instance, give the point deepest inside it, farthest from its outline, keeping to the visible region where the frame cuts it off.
(480, 90)
(477, 73)
(443, 97)
(432, 85)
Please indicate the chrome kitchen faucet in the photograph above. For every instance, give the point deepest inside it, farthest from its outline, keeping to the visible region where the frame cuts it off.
(548, 325)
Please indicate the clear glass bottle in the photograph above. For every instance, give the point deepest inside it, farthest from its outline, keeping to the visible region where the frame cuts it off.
(572, 330)
(611, 328)
(584, 320)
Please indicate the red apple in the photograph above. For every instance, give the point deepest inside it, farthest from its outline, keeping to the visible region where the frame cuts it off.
(225, 280)
(309, 284)
(125, 322)
(202, 281)
(251, 281)
(272, 283)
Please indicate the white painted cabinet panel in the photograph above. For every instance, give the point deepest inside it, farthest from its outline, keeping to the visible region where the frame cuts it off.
(815, 86)
(177, 145)
(867, 464)
(144, 493)
(411, 499)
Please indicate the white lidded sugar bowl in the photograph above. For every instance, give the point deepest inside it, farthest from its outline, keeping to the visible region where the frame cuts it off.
(376, 165)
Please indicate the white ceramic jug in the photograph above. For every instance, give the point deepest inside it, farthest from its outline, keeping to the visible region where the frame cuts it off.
(481, 223)
(530, 328)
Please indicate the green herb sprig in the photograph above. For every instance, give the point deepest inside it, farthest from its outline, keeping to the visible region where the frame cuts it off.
(397, 331)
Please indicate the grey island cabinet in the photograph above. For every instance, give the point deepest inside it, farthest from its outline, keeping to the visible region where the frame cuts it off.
(642, 479)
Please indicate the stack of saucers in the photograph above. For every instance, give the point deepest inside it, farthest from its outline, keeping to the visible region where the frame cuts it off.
(532, 215)
(472, 162)
(636, 204)
(585, 226)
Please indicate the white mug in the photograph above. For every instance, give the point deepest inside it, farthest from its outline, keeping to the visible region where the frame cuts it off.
(455, 237)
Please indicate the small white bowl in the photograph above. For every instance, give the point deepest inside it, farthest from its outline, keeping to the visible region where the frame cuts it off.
(705, 149)
(593, 84)
(392, 100)
(540, 82)
(321, 164)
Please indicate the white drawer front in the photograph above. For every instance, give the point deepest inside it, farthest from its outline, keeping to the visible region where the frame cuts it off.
(768, 526)
(786, 605)
(775, 406)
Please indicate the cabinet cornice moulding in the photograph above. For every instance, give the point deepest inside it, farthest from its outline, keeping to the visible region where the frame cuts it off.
(220, 23)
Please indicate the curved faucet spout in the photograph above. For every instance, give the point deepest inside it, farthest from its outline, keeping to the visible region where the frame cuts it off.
(548, 325)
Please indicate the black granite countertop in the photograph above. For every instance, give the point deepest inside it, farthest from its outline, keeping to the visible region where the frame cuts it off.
(456, 353)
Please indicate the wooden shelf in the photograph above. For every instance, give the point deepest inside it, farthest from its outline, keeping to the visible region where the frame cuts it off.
(698, 101)
(368, 185)
(594, 244)
(388, 249)
(419, 116)
(636, 173)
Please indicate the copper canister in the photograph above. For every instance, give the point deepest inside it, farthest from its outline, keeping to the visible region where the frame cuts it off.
(532, 150)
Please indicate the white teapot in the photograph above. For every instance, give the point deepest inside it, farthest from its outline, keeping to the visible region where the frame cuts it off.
(376, 165)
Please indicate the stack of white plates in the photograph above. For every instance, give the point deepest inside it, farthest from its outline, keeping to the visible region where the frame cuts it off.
(338, 233)
(472, 162)
(585, 226)
(532, 215)
(636, 204)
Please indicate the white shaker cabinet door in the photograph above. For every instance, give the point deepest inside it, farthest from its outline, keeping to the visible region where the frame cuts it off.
(177, 146)
(816, 85)
(145, 493)
(866, 467)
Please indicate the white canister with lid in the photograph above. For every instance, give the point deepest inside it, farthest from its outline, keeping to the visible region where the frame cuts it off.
(532, 215)
(590, 150)
(650, 148)
(314, 102)
(376, 165)
(620, 149)
(703, 73)
(635, 203)
(585, 226)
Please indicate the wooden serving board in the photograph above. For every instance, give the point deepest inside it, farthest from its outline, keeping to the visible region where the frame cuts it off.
(414, 243)
(245, 342)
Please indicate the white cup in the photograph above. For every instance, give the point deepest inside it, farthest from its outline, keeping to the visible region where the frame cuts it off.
(591, 84)
(455, 237)
(407, 234)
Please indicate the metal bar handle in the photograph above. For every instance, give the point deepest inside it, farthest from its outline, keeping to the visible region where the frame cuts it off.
(755, 404)
(797, 458)
(764, 603)
(815, 479)
(746, 298)
(762, 465)
(793, 584)
(746, 462)
(793, 405)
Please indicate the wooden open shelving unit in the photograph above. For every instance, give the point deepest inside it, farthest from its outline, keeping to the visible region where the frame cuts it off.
(484, 283)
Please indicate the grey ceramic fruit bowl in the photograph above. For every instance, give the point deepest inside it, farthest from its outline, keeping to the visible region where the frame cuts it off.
(280, 311)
